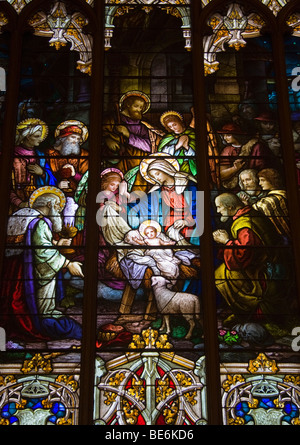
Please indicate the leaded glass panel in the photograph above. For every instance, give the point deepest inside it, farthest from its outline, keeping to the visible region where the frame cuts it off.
(50, 157)
(138, 344)
(150, 217)
(41, 288)
(254, 274)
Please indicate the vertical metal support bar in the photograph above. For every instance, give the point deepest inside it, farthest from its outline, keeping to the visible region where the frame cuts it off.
(206, 243)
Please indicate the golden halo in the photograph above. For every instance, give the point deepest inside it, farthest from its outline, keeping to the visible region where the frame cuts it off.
(33, 122)
(169, 113)
(149, 223)
(138, 94)
(144, 165)
(48, 189)
(73, 123)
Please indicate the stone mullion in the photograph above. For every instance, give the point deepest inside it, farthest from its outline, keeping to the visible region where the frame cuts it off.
(212, 365)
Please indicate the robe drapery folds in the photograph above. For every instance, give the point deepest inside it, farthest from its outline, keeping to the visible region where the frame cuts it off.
(21, 179)
(252, 279)
(274, 206)
(130, 150)
(185, 158)
(33, 286)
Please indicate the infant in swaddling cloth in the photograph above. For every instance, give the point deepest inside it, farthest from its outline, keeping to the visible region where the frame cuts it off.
(167, 264)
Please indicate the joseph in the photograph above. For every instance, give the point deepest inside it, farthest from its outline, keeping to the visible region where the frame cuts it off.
(127, 137)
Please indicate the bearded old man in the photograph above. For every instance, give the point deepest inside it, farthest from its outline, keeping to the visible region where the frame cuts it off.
(69, 162)
(250, 189)
(253, 277)
(33, 286)
(237, 155)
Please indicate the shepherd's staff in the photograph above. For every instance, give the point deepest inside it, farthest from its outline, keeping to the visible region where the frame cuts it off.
(122, 142)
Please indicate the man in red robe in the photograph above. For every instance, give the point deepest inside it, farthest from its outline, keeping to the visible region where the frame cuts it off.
(251, 254)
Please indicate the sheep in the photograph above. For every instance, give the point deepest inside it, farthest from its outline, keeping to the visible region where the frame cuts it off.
(170, 302)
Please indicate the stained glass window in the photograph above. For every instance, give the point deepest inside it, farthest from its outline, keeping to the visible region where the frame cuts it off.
(248, 165)
(149, 177)
(4, 39)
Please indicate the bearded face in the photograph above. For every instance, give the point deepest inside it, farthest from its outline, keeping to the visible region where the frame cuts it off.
(223, 210)
(55, 218)
(250, 184)
(251, 192)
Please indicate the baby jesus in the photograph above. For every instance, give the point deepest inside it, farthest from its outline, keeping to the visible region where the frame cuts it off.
(151, 237)
(149, 234)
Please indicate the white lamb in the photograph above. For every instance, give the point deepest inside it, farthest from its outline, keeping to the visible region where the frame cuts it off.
(170, 302)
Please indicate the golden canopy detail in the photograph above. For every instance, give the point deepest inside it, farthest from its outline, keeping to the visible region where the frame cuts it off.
(232, 29)
(63, 28)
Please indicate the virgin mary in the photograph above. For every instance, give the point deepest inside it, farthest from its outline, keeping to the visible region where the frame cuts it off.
(171, 202)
